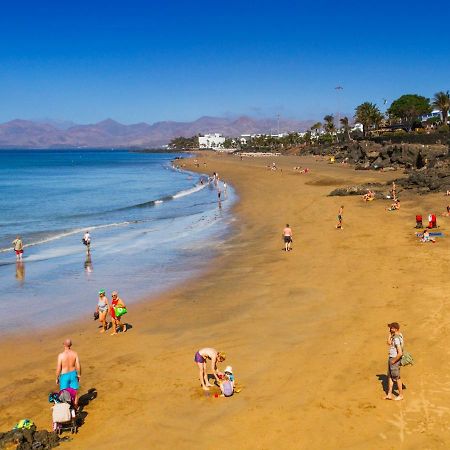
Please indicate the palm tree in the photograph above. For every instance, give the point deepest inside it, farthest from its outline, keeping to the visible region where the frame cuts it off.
(329, 123)
(441, 101)
(316, 127)
(368, 115)
(346, 126)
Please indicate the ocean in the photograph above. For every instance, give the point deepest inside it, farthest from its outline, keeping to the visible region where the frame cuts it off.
(152, 227)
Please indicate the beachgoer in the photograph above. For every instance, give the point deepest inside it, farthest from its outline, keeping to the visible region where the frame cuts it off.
(68, 368)
(287, 237)
(225, 187)
(226, 384)
(102, 309)
(18, 248)
(117, 302)
(340, 218)
(395, 206)
(394, 191)
(200, 358)
(426, 237)
(87, 241)
(395, 342)
(219, 195)
(447, 213)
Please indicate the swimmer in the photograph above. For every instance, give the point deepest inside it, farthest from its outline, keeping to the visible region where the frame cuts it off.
(18, 248)
(340, 218)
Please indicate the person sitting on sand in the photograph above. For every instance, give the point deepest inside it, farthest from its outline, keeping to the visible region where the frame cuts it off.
(447, 213)
(426, 237)
(102, 309)
(200, 358)
(369, 196)
(116, 312)
(287, 237)
(395, 343)
(226, 384)
(395, 206)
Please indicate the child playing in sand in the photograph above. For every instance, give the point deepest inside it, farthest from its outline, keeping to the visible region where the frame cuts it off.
(226, 383)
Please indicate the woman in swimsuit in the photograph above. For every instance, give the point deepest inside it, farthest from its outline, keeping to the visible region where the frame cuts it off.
(200, 358)
(102, 309)
(116, 302)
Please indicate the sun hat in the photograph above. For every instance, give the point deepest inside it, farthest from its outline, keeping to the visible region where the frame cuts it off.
(228, 369)
(101, 291)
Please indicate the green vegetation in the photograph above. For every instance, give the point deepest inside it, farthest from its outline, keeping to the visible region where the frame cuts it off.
(408, 108)
(183, 143)
(368, 115)
(441, 101)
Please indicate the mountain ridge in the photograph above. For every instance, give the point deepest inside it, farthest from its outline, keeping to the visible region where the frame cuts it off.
(108, 133)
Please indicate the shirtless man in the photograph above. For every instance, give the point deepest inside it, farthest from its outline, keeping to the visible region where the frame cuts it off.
(68, 368)
(18, 248)
(200, 358)
(287, 236)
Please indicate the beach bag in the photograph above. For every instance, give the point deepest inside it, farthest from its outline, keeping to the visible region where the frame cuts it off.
(120, 311)
(96, 315)
(406, 359)
(227, 388)
(61, 413)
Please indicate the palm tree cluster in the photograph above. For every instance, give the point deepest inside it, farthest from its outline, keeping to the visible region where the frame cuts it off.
(369, 116)
(441, 101)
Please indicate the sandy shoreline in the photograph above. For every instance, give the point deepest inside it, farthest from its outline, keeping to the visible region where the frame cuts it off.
(304, 331)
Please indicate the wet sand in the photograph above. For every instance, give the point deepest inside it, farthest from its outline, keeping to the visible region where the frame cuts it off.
(304, 331)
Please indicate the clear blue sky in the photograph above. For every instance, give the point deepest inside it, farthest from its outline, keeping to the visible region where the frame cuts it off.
(178, 60)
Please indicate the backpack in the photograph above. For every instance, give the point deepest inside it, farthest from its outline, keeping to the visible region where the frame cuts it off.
(61, 413)
(406, 357)
(227, 388)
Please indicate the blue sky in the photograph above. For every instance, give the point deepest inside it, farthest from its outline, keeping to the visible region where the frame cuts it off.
(177, 60)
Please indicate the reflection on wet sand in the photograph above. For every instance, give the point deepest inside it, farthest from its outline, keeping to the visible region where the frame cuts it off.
(88, 264)
(20, 271)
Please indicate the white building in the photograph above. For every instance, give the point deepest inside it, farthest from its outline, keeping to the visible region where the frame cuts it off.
(214, 141)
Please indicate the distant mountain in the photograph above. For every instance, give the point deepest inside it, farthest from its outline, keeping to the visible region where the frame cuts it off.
(111, 134)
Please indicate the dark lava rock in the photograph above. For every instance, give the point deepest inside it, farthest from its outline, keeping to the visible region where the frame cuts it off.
(28, 440)
(359, 189)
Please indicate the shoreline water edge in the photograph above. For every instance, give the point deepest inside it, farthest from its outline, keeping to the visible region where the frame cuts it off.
(304, 330)
(140, 245)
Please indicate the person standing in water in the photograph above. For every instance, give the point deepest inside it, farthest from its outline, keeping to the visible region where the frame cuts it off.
(87, 241)
(18, 248)
(340, 218)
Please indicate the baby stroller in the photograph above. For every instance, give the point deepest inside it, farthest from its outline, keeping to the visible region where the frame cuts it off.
(64, 417)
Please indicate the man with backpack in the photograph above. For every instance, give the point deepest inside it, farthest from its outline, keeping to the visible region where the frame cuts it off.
(395, 342)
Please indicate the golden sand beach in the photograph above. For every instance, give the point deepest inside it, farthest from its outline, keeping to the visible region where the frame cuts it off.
(305, 331)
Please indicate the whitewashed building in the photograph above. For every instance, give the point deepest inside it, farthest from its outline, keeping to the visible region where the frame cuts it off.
(214, 141)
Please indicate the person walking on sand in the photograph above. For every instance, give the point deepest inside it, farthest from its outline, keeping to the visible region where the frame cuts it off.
(340, 218)
(200, 358)
(117, 310)
(395, 343)
(287, 237)
(68, 368)
(18, 248)
(102, 309)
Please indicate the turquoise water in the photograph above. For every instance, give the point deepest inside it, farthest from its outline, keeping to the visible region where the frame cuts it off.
(151, 225)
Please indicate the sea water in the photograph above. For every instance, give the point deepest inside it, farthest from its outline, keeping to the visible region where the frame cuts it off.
(152, 226)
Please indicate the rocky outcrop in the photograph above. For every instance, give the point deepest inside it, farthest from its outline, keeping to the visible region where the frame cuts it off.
(360, 189)
(28, 440)
(428, 179)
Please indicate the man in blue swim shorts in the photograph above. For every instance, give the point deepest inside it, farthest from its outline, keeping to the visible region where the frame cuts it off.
(68, 368)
